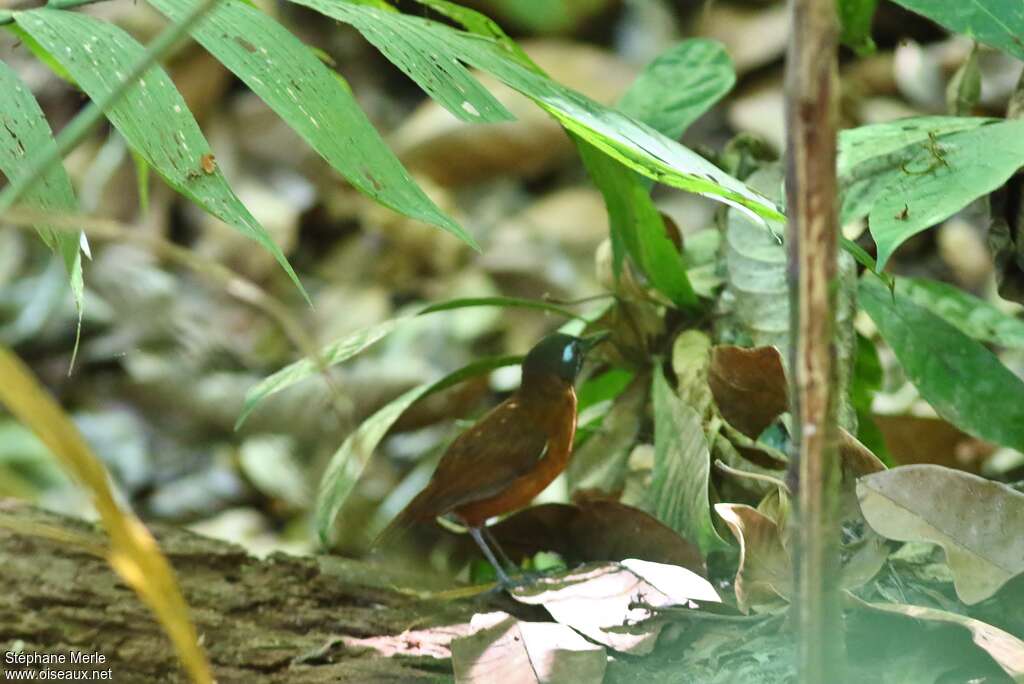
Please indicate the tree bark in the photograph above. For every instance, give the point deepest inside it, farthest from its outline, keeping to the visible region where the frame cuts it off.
(281, 619)
(812, 236)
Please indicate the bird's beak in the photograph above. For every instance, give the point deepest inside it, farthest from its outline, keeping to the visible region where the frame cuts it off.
(590, 341)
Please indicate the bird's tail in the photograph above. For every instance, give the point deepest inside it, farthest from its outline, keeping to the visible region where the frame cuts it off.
(409, 516)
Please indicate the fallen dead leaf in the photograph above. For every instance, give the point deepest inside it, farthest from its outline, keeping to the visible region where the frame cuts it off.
(977, 521)
(510, 651)
(765, 575)
(596, 599)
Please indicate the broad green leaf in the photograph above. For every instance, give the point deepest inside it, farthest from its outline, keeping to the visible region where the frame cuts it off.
(349, 461)
(870, 157)
(153, 117)
(26, 131)
(331, 355)
(433, 55)
(974, 317)
(309, 98)
(977, 521)
(481, 25)
(682, 466)
(855, 21)
(603, 387)
(506, 302)
(999, 23)
(679, 85)
(942, 177)
(964, 382)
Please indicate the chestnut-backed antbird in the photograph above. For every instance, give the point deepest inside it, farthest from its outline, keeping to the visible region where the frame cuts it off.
(513, 452)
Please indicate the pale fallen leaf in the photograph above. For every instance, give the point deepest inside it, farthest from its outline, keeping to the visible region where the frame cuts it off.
(765, 574)
(977, 521)
(596, 599)
(510, 651)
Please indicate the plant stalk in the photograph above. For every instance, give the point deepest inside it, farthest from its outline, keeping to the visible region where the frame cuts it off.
(812, 235)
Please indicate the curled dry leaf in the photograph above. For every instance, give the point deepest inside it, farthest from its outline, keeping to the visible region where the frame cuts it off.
(1004, 648)
(976, 521)
(764, 575)
(749, 386)
(597, 599)
(510, 651)
(597, 530)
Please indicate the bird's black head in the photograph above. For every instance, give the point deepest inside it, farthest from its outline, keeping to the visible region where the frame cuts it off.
(559, 355)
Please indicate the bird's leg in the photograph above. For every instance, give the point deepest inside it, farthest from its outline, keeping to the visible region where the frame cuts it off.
(499, 552)
(479, 539)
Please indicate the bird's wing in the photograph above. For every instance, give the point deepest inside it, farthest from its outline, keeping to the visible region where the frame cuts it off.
(502, 446)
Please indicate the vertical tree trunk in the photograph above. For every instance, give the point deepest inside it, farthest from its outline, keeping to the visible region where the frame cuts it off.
(812, 235)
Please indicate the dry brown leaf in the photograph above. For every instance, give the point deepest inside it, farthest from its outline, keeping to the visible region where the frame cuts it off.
(918, 439)
(595, 530)
(749, 386)
(765, 575)
(510, 651)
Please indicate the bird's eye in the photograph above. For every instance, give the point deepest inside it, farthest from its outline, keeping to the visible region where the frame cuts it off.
(568, 353)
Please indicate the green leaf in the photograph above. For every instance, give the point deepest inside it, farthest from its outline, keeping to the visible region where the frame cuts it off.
(964, 382)
(603, 387)
(349, 461)
(433, 54)
(286, 75)
(679, 85)
(24, 132)
(505, 302)
(870, 157)
(671, 92)
(999, 23)
(682, 466)
(331, 355)
(974, 317)
(637, 225)
(153, 117)
(976, 521)
(855, 19)
(942, 177)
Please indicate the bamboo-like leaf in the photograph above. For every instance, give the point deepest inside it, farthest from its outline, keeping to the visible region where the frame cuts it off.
(331, 355)
(433, 55)
(24, 132)
(133, 553)
(309, 98)
(153, 118)
(349, 461)
(506, 302)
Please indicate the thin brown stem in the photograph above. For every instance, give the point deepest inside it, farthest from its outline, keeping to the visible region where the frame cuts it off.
(812, 235)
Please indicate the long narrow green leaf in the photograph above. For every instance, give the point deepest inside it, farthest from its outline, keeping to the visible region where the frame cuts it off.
(432, 54)
(349, 461)
(24, 132)
(309, 98)
(506, 302)
(963, 381)
(335, 353)
(153, 118)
